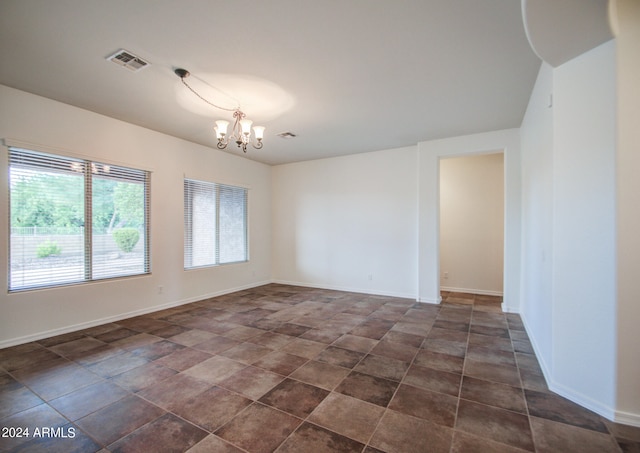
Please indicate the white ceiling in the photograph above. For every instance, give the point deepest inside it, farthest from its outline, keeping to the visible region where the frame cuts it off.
(346, 76)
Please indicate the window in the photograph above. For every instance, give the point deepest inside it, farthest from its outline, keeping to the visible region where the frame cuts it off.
(73, 220)
(215, 224)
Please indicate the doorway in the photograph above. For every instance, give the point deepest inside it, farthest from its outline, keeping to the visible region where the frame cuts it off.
(472, 211)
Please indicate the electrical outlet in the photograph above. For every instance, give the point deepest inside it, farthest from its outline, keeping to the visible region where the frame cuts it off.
(446, 275)
(370, 276)
(160, 289)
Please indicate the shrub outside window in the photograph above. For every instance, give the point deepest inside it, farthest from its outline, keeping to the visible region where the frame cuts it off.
(74, 220)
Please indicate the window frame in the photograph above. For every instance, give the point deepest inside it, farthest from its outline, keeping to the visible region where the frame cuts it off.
(88, 169)
(191, 186)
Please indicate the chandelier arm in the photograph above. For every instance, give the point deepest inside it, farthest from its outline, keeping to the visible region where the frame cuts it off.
(205, 100)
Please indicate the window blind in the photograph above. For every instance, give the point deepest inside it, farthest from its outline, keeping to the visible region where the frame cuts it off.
(215, 224)
(67, 218)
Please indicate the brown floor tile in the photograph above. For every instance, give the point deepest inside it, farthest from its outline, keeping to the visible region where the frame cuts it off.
(348, 416)
(35, 417)
(215, 369)
(434, 380)
(551, 437)
(71, 440)
(312, 438)
(399, 433)
(76, 346)
(304, 348)
(340, 357)
(493, 394)
(503, 374)
(16, 397)
(183, 359)
(174, 391)
(368, 388)
(491, 342)
(395, 350)
(412, 328)
(192, 337)
(495, 424)
(490, 355)
(259, 428)
(294, 397)
(326, 336)
(212, 408)
(88, 399)
(281, 362)
(213, 443)
(455, 336)
(553, 407)
(95, 355)
(439, 361)
(469, 443)
(143, 376)
(246, 352)
(293, 330)
(362, 368)
(119, 419)
(167, 433)
(323, 375)
(22, 356)
(447, 347)
(355, 343)
(383, 367)
(252, 382)
(451, 325)
(115, 334)
(373, 328)
(157, 350)
(169, 331)
(117, 364)
(243, 333)
(533, 381)
(501, 332)
(404, 338)
(215, 345)
(271, 340)
(435, 407)
(56, 381)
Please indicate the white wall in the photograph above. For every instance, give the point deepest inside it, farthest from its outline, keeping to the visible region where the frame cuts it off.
(429, 155)
(628, 210)
(28, 315)
(568, 247)
(537, 217)
(348, 223)
(472, 224)
(584, 332)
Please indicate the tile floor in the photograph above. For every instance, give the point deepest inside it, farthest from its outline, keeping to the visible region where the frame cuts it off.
(291, 369)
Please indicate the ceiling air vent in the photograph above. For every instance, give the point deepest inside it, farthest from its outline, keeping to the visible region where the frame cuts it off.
(128, 60)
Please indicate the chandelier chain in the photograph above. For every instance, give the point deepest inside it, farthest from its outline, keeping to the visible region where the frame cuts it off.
(206, 100)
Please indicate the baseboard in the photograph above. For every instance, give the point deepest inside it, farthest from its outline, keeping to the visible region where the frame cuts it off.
(429, 300)
(482, 292)
(583, 400)
(119, 317)
(625, 418)
(370, 291)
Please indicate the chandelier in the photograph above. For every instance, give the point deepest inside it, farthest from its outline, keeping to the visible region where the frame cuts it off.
(241, 129)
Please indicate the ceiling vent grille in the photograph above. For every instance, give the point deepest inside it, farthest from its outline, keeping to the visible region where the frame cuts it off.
(128, 60)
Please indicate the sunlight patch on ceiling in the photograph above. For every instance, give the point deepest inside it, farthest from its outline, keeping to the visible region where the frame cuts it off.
(260, 99)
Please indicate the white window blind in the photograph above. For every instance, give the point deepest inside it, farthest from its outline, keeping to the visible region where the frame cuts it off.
(215, 224)
(73, 220)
